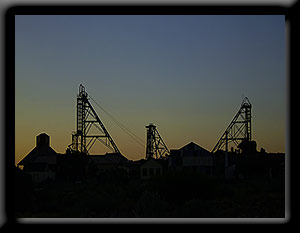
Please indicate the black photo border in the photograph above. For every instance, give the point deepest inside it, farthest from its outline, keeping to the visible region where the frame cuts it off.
(142, 9)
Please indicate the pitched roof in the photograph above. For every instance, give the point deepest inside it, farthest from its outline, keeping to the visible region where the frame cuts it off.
(40, 154)
(194, 149)
(192, 146)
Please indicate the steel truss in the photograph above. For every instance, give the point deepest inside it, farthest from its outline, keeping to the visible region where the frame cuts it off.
(87, 120)
(239, 129)
(156, 148)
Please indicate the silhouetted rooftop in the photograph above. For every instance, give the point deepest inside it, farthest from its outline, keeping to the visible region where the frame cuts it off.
(40, 154)
(109, 158)
(193, 149)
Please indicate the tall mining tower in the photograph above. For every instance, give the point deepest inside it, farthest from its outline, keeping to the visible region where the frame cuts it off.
(156, 148)
(89, 127)
(239, 130)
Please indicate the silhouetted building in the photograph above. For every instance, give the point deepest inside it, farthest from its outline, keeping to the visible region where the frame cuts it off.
(40, 163)
(151, 167)
(225, 165)
(191, 157)
(110, 161)
(248, 147)
(135, 169)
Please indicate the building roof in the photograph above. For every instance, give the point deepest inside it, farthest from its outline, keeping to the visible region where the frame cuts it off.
(193, 149)
(109, 158)
(191, 146)
(151, 161)
(40, 154)
(100, 159)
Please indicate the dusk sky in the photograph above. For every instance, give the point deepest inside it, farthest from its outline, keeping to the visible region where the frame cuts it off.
(185, 74)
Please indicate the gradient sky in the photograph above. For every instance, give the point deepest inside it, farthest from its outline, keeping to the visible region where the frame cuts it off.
(185, 74)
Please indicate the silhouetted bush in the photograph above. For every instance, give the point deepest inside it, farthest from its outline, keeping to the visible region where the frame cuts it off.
(23, 191)
(177, 187)
(174, 194)
(114, 176)
(196, 208)
(150, 205)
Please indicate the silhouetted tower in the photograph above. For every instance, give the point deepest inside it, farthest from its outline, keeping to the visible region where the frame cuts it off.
(156, 148)
(89, 127)
(239, 129)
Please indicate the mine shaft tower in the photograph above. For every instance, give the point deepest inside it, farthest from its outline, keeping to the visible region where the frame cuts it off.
(83, 139)
(156, 148)
(239, 129)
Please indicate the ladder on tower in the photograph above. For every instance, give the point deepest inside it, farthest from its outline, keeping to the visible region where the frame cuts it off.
(87, 119)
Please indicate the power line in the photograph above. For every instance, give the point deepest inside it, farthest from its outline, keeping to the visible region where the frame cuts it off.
(125, 129)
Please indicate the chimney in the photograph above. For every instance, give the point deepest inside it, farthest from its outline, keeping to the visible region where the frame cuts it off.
(43, 140)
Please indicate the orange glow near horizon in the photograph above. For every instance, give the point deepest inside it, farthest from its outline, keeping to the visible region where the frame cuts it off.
(171, 70)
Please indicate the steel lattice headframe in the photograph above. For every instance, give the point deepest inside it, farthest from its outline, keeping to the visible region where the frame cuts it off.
(239, 129)
(83, 139)
(156, 148)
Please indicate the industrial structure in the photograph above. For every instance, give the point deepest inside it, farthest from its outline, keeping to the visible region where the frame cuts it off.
(191, 157)
(239, 129)
(156, 148)
(89, 127)
(110, 185)
(43, 164)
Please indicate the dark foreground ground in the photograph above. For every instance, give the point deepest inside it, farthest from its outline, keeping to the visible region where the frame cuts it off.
(171, 195)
